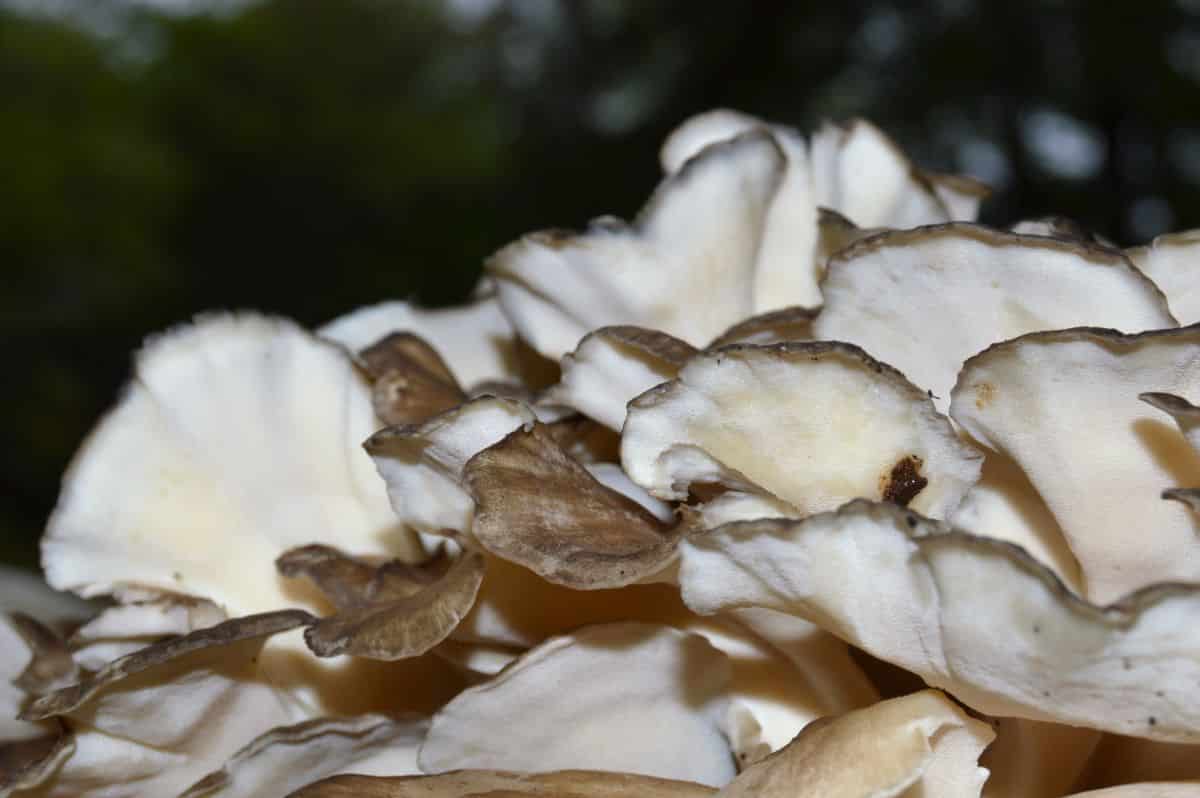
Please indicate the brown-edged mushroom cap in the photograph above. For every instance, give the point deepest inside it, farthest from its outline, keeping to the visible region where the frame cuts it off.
(686, 266)
(624, 697)
(976, 617)
(538, 507)
(924, 300)
(812, 424)
(612, 365)
(29, 659)
(154, 721)
(389, 612)
(410, 382)
(475, 339)
(290, 757)
(238, 436)
(921, 743)
(1065, 406)
(1170, 261)
(254, 629)
(422, 464)
(507, 784)
(774, 327)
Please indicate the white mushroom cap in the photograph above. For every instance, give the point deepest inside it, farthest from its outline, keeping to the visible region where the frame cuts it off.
(920, 744)
(1065, 406)
(861, 173)
(164, 715)
(976, 617)
(238, 437)
(1171, 262)
(811, 424)
(686, 266)
(290, 757)
(623, 697)
(925, 300)
(611, 366)
(422, 464)
(475, 339)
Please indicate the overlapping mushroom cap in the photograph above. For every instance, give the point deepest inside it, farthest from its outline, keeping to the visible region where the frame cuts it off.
(691, 560)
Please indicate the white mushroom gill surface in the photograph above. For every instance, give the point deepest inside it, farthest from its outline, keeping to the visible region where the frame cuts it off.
(237, 438)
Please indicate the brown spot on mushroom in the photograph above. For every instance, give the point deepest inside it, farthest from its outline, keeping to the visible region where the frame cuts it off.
(984, 393)
(904, 482)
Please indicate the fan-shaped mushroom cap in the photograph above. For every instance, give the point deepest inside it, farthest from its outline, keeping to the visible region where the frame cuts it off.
(1170, 261)
(237, 436)
(29, 752)
(686, 266)
(599, 698)
(1065, 406)
(388, 612)
(976, 617)
(861, 173)
(612, 365)
(422, 464)
(166, 714)
(924, 300)
(811, 424)
(538, 507)
(290, 757)
(921, 743)
(475, 339)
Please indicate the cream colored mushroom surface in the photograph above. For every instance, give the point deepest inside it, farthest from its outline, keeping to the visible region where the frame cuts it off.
(925, 300)
(602, 698)
(1065, 405)
(811, 425)
(685, 267)
(974, 616)
(920, 744)
(475, 338)
(238, 437)
(1170, 261)
(153, 721)
(290, 757)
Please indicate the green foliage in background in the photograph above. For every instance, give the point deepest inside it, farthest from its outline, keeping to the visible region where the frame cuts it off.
(306, 157)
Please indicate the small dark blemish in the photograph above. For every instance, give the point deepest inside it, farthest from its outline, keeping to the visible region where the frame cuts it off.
(177, 576)
(904, 482)
(1126, 663)
(912, 521)
(1159, 693)
(1037, 630)
(1045, 694)
(1153, 721)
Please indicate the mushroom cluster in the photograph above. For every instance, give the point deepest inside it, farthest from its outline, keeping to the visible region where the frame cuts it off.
(800, 484)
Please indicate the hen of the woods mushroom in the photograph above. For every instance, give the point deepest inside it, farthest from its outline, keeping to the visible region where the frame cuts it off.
(800, 484)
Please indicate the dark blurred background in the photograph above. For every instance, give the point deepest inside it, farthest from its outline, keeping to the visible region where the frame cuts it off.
(308, 156)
